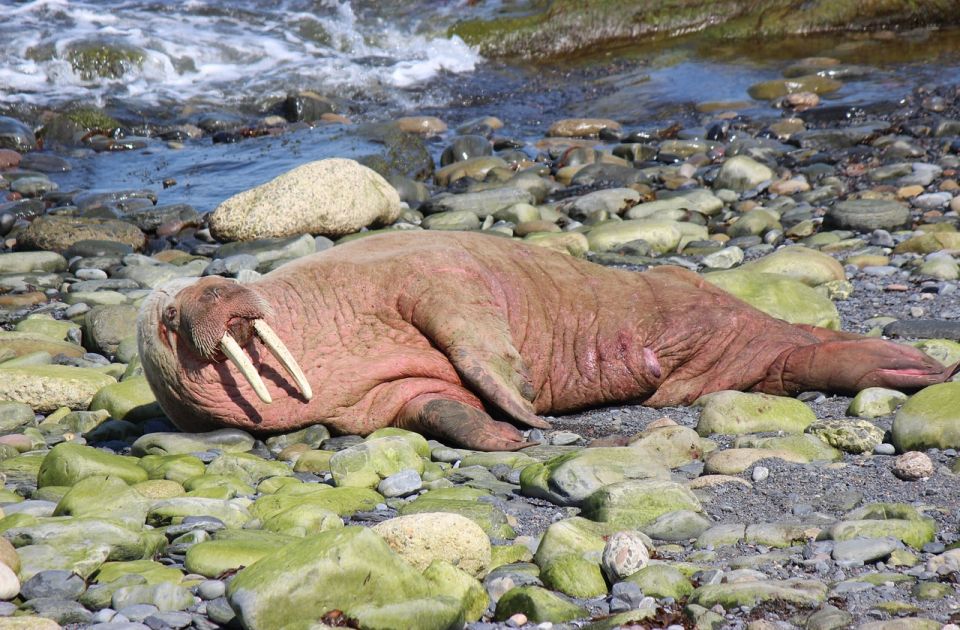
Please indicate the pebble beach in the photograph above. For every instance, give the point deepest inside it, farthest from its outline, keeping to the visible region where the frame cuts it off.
(819, 186)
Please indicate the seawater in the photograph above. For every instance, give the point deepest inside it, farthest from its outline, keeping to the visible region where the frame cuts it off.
(224, 51)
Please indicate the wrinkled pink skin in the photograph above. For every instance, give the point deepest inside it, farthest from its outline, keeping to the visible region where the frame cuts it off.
(433, 332)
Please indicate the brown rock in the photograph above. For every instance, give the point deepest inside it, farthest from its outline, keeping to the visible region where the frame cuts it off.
(9, 158)
(426, 125)
(581, 127)
(913, 466)
(57, 233)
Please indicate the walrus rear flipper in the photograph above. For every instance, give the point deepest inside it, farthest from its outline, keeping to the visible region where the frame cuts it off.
(467, 326)
(851, 365)
(457, 423)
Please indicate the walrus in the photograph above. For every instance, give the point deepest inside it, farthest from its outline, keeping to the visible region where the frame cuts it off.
(441, 332)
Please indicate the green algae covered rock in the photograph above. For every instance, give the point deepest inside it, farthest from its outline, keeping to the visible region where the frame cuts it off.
(778, 296)
(929, 419)
(68, 463)
(731, 595)
(130, 400)
(634, 504)
(538, 604)
(736, 413)
(367, 463)
(569, 479)
(351, 570)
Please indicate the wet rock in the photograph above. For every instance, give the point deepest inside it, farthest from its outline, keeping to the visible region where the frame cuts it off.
(581, 127)
(16, 136)
(924, 329)
(866, 215)
(608, 175)
(769, 90)
(421, 539)
(483, 204)
(465, 147)
(742, 173)
(228, 440)
(737, 413)
(59, 232)
(929, 419)
(330, 197)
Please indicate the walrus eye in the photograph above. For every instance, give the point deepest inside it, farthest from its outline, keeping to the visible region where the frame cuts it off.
(171, 317)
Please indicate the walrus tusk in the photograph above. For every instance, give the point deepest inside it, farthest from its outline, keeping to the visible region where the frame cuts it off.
(276, 347)
(240, 359)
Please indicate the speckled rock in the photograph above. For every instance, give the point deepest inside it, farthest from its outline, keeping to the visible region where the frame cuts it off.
(422, 538)
(331, 197)
(58, 232)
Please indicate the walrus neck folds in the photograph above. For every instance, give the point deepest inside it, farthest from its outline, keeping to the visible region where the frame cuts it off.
(216, 318)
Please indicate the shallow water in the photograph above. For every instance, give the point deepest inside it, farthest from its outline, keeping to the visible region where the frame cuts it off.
(379, 61)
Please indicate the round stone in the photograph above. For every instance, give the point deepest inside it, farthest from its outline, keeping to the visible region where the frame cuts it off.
(913, 466)
(624, 554)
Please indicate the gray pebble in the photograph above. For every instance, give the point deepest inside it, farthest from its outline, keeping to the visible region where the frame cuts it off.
(400, 484)
(54, 583)
(211, 589)
(885, 449)
(138, 612)
(760, 473)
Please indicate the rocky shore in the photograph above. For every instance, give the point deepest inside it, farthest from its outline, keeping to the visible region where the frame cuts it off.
(742, 511)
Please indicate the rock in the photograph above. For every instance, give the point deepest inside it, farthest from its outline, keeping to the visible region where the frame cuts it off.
(882, 520)
(18, 343)
(637, 503)
(9, 583)
(422, 538)
(929, 242)
(100, 496)
(9, 158)
(352, 570)
(25, 262)
(738, 413)
(581, 127)
(604, 174)
(807, 265)
(572, 243)
(106, 326)
(249, 468)
(913, 466)
(923, 329)
(426, 125)
(673, 205)
(67, 463)
(624, 554)
(538, 605)
(227, 440)
(59, 232)
(850, 436)
(366, 464)
(929, 419)
(231, 513)
(741, 173)
(807, 448)
(14, 415)
(731, 595)
(483, 203)
(457, 220)
(58, 584)
(776, 88)
(679, 525)
(488, 516)
(474, 168)
(754, 223)
(734, 461)
(663, 236)
(16, 136)
(130, 400)
(874, 402)
(861, 551)
(48, 387)
(330, 197)
(465, 147)
(212, 557)
(866, 215)
(662, 580)
(779, 297)
(569, 479)
(611, 200)
(724, 259)
(341, 501)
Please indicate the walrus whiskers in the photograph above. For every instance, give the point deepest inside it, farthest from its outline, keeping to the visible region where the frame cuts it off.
(235, 353)
(279, 350)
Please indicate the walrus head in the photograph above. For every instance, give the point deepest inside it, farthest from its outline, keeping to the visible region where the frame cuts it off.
(211, 320)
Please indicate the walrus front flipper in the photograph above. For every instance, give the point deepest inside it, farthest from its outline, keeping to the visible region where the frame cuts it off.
(852, 365)
(473, 333)
(459, 424)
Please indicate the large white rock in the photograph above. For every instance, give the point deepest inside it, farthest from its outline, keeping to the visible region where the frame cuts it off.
(330, 197)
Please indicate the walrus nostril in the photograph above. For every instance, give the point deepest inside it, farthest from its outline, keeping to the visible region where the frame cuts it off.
(235, 353)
